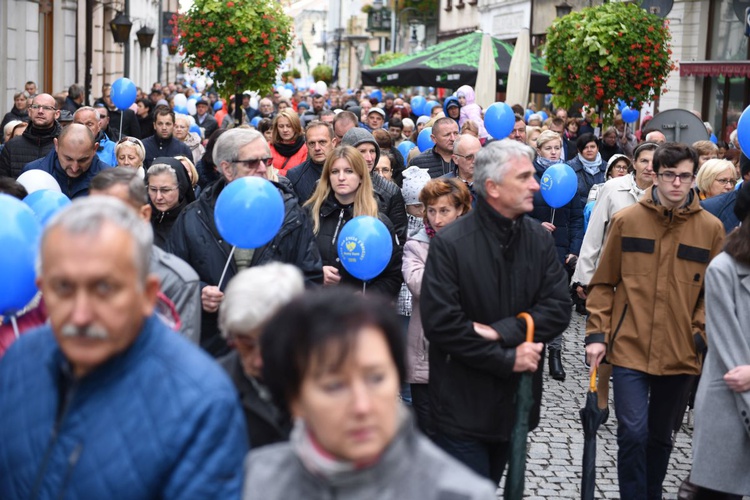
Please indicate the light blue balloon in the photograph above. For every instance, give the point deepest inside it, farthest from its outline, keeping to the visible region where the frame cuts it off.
(19, 238)
(195, 96)
(427, 108)
(364, 247)
(255, 121)
(499, 120)
(249, 212)
(424, 141)
(181, 110)
(417, 103)
(527, 114)
(544, 115)
(405, 147)
(123, 93)
(195, 128)
(45, 203)
(559, 185)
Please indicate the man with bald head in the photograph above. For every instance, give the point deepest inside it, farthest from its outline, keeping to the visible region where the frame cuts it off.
(73, 162)
(656, 136)
(465, 149)
(89, 117)
(36, 141)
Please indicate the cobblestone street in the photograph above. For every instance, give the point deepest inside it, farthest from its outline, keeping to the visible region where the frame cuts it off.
(556, 446)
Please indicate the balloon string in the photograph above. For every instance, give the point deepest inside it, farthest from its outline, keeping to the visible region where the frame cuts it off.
(226, 266)
(553, 217)
(122, 113)
(364, 287)
(15, 326)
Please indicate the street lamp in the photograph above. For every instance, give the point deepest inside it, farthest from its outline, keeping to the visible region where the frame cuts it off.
(145, 36)
(120, 27)
(563, 9)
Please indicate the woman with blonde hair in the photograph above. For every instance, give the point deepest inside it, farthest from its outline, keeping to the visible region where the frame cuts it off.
(130, 153)
(192, 172)
(288, 147)
(344, 192)
(715, 177)
(181, 131)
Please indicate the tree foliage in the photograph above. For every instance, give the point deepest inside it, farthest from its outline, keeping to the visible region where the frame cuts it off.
(323, 73)
(240, 42)
(615, 51)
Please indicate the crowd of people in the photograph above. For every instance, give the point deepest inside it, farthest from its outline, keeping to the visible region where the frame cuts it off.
(407, 390)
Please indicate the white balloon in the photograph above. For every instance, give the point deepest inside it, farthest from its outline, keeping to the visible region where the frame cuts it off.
(200, 84)
(254, 102)
(321, 87)
(180, 100)
(36, 180)
(286, 93)
(191, 107)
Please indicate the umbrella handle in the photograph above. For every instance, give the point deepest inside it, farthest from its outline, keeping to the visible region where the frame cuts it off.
(592, 381)
(529, 325)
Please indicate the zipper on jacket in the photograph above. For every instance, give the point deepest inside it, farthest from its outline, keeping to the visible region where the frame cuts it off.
(72, 461)
(617, 330)
(338, 226)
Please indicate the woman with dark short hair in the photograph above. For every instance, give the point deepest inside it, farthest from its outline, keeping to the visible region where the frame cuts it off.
(335, 360)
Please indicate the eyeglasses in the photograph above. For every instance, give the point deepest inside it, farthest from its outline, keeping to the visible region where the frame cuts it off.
(671, 176)
(254, 163)
(37, 107)
(724, 182)
(165, 190)
(620, 168)
(469, 158)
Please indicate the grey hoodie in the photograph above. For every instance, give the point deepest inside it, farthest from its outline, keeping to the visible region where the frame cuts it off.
(357, 135)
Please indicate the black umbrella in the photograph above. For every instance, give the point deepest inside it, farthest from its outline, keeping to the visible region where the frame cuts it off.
(524, 401)
(451, 64)
(592, 417)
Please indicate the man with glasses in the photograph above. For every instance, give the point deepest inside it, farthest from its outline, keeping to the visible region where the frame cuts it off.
(647, 314)
(194, 238)
(73, 162)
(36, 141)
(465, 151)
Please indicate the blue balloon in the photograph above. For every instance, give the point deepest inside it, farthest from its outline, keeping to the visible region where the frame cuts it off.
(499, 120)
(182, 110)
(377, 94)
(289, 86)
(527, 114)
(427, 108)
(629, 115)
(255, 121)
(123, 93)
(249, 212)
(424, 141)
(416, 105)
(405, 147)
(743, 131)
(544, 115)
(45, 203)
(218, 105)
(195, 128)
(713, 138)
(559, 185)
(364, 247)
(195, 96)
(19, 238)
(739, 185)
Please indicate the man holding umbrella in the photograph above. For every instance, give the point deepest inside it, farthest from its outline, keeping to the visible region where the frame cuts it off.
(481, 272)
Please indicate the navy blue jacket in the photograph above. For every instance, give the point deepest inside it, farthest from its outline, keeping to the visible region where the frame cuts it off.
(722, 207)
(568, 220)
(585, 180)
(156, 147)
(72, 187)
(160, 420)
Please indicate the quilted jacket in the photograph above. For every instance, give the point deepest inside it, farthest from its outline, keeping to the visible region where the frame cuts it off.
(160, 420)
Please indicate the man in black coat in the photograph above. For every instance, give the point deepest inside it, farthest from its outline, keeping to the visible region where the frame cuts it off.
(195, 239)
(162, 143)
(481, 272)
(304, 177)
(36, 141)
(204, 119)
(438, 160)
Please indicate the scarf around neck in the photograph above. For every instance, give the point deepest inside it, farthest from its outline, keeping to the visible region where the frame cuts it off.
(592, 167)
(289, 150)
(545, 163)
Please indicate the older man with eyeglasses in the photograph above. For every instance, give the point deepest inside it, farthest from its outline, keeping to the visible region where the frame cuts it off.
(36, 141)
(195, 239)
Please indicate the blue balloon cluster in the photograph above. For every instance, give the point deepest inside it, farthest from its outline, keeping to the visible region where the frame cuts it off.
(499, 120)
(123, 93)
(45, 203)
(364, 247)
(424, 141)
(249, 212)
(19, 238)
(559, 185)
(405, 147)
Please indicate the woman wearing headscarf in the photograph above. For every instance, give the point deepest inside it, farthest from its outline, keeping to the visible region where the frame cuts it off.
(169, 191)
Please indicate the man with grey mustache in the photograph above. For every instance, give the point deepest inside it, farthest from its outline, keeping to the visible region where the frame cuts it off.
(106, 401)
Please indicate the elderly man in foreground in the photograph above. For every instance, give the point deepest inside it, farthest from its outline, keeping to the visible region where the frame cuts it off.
(106, 401)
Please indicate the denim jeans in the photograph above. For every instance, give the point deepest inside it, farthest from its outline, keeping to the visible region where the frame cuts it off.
(646, 407)
(485, 458)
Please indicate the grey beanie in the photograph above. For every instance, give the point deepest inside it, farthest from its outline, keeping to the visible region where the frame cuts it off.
(415, 179)
(356, 136)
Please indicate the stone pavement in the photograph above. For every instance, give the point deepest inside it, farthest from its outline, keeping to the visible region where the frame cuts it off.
(553, 469)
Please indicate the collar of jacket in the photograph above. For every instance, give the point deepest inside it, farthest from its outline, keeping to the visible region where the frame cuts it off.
(163, 142)
(495, 223)
(650, 200)
(36, 133)
(331, 204)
